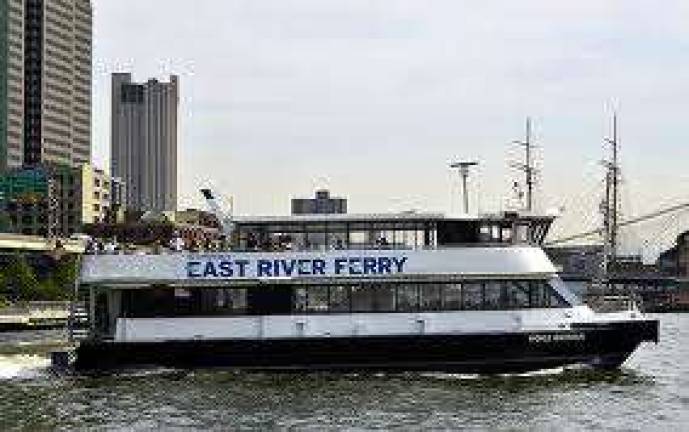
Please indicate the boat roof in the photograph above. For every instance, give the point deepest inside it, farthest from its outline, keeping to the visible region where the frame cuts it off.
(420, 217)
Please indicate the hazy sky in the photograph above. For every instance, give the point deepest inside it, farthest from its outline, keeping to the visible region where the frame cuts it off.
(372, 98)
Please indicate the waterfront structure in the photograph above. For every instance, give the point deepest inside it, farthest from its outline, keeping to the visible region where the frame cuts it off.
(45, 84)
(58, 200)
(667, 262)
(322, 203)
(35, 246)
(675, 261)
(144, 141)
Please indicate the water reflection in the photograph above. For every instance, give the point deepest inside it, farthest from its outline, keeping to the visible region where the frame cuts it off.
(650, 393)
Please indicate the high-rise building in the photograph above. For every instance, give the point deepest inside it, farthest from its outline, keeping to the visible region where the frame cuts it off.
(45, 84)
(144, 141)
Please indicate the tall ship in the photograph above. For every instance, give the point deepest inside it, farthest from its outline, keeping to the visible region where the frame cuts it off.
(378, 292)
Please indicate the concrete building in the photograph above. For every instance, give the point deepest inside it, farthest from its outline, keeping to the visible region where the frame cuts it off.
(102, 197)
(45, 84)
(144, 141)
(322, 203)
(58, 200)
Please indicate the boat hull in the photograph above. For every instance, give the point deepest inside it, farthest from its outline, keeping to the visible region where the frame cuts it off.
(601, 345)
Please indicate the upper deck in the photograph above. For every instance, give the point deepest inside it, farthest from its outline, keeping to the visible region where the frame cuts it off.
(387, 231)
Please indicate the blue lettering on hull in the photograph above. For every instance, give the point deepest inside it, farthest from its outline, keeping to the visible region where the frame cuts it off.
(262, 268)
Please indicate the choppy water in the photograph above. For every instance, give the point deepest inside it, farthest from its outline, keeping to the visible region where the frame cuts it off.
(651, 392)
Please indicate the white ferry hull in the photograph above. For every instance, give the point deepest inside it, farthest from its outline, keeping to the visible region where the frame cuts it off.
(600, 344)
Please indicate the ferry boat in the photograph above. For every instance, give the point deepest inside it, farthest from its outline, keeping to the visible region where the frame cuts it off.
(396, 292)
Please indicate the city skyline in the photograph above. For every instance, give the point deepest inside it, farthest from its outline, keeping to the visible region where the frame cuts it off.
(372, 99)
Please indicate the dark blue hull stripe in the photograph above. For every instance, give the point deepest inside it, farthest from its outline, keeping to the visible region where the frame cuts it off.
(605, 346)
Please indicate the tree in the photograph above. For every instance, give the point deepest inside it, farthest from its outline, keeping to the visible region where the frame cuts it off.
(65, 273)
(4, 291)
(50, 291)
(5, 222)
(21, 279)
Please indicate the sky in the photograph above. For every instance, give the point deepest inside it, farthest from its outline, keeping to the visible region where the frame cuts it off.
(373, 98)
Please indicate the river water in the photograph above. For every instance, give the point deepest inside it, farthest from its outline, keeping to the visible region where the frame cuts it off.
(650, 393)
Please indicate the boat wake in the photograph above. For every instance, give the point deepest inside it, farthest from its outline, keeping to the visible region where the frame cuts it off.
(22, 366)
(537, 373)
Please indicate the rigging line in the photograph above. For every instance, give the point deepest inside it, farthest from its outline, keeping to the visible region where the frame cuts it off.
(662, 237)
(581, 212)
(628, 222)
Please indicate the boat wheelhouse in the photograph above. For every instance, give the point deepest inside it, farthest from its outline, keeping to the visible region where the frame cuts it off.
(407, 291)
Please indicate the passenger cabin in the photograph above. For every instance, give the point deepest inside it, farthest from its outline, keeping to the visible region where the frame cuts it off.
(387, 231)
(330, 264)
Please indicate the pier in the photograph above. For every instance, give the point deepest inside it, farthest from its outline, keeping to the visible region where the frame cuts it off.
(34, 316)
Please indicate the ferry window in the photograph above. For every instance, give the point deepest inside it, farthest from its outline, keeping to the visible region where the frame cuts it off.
(357, 239)
(339, 298)
(384, 299)
(231, 300)
(373, 298)
(208, 301)
(317, 297)
(517, 294)
(182, 293)
(337, 242)
(184, 302)
(407, 298)
(521, 233)
(544, 296)
(484, 234)
(452, 299)
(431, 297)
(493, 299)
(555, 299)
(300, 299)
(473, 296)
(539, 294)
(495, 233)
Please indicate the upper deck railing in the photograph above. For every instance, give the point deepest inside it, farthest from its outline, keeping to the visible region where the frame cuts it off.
(392, 231)
(407, 231)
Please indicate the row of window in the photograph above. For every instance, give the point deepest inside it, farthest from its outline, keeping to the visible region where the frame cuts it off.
(319, 299)
(493, 295)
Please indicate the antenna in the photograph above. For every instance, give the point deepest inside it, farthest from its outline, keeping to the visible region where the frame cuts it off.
(610, 205)
(462, 168)
(527, 166)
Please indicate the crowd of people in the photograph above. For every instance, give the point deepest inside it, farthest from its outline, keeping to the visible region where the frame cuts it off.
(175, 244)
